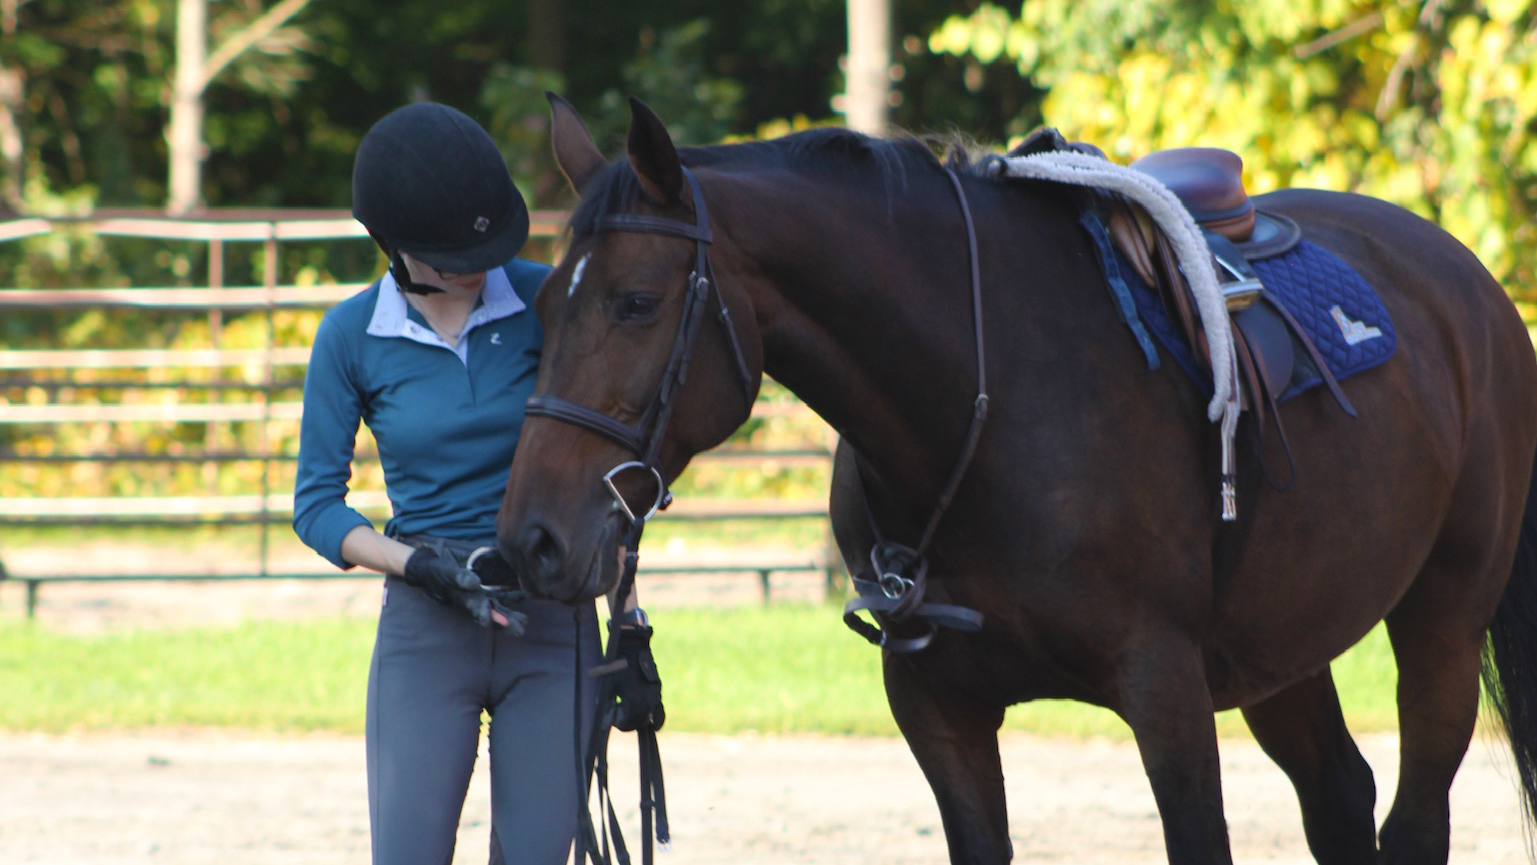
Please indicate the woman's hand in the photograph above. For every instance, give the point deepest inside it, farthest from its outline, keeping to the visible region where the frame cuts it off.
(448, 582)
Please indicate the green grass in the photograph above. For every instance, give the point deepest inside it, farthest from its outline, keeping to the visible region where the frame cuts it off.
(779, 669)
(261, 675)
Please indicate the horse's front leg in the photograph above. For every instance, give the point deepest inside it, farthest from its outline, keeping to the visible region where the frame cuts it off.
(1166, 701)
(955, 739)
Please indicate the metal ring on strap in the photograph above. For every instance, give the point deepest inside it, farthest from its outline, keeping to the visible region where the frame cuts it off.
(661, 490)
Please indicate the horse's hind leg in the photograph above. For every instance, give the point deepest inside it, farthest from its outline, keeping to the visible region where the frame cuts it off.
(1303, 731)
(955, 740)
(1438, 668)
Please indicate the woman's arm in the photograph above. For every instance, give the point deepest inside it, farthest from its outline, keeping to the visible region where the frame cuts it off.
(365, 546)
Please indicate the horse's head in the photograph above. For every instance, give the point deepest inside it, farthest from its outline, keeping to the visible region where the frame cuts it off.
(647, 361)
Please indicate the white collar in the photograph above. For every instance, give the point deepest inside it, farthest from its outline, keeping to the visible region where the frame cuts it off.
(392, 318)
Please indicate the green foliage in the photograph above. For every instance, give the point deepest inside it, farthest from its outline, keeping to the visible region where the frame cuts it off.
(1428, 106)
(669, 69)
(519, 122)
(284, 118)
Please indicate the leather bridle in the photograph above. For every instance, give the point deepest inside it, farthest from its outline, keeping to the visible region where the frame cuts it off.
(644, 438)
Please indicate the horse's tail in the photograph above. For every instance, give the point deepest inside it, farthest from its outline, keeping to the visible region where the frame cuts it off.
(1510, 656)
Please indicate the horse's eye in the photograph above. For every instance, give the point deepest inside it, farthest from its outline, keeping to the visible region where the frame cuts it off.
(638, 306)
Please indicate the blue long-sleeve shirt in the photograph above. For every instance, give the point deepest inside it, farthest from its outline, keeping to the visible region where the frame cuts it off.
(446, 419)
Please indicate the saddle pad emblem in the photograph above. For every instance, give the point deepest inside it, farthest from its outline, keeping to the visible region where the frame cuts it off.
(1354, 332)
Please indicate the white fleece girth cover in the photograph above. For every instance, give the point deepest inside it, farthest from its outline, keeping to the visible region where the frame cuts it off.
(1081, 169)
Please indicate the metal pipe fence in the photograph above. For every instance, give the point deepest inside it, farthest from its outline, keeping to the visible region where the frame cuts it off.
(83, 412)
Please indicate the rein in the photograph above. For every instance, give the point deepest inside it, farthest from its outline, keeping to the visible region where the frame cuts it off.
(892, 593)
(644, 441)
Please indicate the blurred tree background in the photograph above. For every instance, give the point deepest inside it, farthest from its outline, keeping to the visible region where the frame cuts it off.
(92, 85)
(1427, 104)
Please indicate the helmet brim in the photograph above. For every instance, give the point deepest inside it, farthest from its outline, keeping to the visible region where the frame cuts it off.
(489, 254)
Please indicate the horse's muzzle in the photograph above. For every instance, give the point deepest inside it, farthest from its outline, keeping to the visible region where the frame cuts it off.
(550, 570)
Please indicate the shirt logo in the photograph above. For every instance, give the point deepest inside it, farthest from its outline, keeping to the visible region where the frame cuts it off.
(496, 338)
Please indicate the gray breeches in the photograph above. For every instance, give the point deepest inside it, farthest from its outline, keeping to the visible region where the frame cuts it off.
(434, 670)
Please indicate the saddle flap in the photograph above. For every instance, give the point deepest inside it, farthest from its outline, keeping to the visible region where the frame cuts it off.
(1269, 342)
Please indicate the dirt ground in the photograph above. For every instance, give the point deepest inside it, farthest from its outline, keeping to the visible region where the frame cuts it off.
(201, 796)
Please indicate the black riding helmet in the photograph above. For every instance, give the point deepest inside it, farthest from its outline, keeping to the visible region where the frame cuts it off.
(429, 182)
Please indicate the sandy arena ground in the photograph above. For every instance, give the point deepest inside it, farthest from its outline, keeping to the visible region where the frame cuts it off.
(205, 796)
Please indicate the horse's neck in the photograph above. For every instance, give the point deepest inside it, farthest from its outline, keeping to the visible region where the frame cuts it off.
(856, 327)
(867, 315)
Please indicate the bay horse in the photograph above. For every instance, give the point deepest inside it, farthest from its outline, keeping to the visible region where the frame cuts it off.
(1086, 531)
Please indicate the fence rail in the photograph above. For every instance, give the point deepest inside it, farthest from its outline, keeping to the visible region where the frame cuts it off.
(247, 394)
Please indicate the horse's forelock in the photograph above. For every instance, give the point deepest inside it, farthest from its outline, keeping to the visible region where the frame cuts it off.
(609, 193)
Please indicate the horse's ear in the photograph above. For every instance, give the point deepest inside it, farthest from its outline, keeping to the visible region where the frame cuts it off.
(653, 155)
(579, 159)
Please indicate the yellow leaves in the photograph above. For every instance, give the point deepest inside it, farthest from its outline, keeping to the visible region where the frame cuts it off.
(1261, 21)
(990, 26)
(1330, 172)
(987, 34)
(1294, 87)
(952, 37)
(1506, 12)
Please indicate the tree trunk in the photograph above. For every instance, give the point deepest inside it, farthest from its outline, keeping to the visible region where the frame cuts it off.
(867, 100)
(12, 95)
(185, 136)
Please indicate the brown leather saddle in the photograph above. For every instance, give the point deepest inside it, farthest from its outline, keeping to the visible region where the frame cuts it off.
(1209, 182)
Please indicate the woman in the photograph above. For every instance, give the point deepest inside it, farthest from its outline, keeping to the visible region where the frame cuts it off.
(438, 357)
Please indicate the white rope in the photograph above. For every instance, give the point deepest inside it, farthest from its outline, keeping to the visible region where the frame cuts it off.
(1165, 208)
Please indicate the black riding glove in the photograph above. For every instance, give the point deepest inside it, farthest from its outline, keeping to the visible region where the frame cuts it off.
(637, 685)
(493, 570)
(447, 582)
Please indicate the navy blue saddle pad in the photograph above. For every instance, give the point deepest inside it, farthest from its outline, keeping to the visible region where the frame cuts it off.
(1339, 311)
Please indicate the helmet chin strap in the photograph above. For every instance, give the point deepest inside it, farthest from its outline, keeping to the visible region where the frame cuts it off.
(402, 273)
(403, 277)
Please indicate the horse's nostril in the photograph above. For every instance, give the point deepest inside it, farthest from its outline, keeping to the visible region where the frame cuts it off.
(541, 550)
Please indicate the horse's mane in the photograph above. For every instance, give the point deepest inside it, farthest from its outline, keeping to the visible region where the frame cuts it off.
(831, 150)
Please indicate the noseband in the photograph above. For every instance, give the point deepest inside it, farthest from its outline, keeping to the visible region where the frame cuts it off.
(644, 438)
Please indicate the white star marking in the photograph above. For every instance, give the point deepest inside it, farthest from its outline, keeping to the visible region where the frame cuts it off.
(576, 274)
